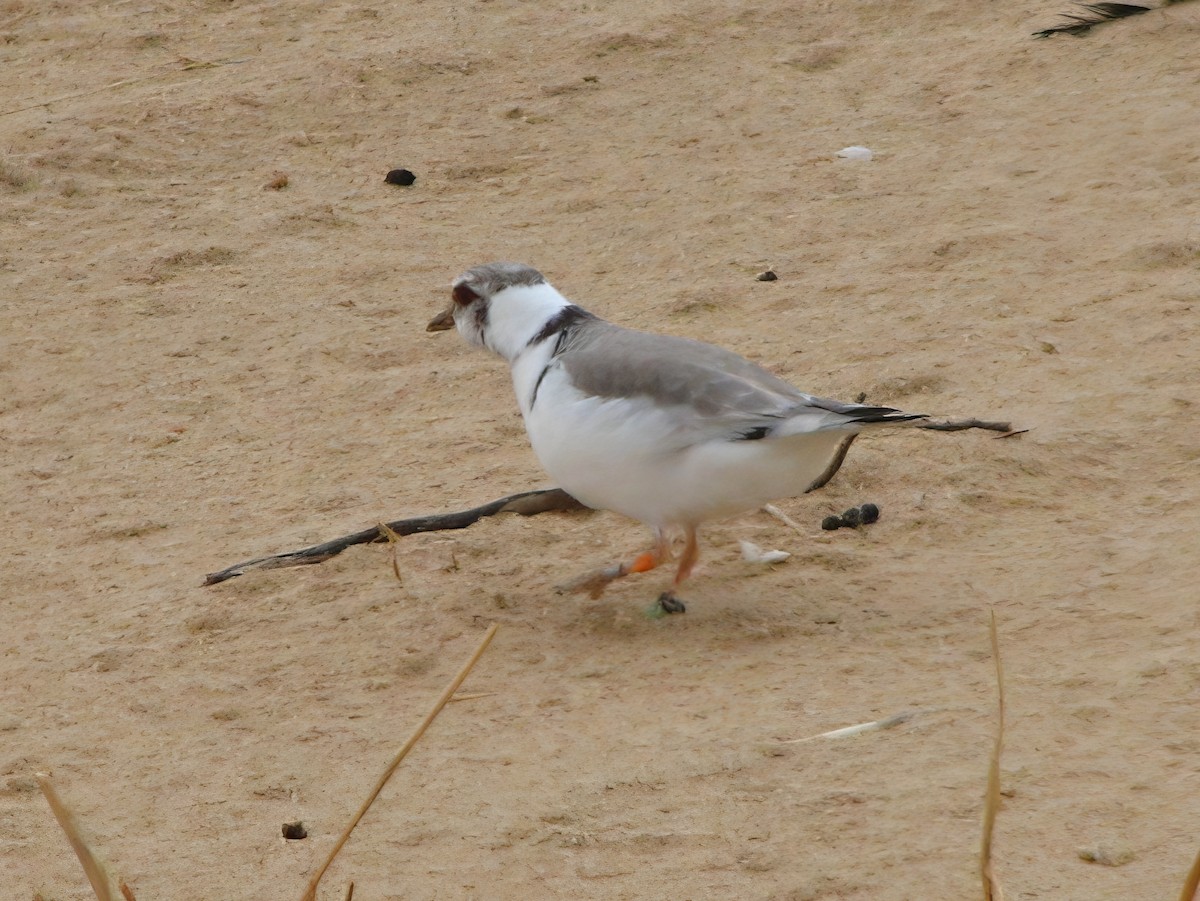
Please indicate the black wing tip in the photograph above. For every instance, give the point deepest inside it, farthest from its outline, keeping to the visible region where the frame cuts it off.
(883, 414)
(757, 433)
(864, 413)
(1100, 13)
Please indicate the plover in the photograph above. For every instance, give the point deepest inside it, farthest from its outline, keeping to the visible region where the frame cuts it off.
(665, 430)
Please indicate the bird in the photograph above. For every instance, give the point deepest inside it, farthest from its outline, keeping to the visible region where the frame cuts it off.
(669, 431)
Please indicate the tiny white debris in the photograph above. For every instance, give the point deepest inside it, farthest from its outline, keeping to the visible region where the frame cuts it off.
(855, 153)
(752, 553)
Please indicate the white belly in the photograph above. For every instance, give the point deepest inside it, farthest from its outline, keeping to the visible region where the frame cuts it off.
(653, 464)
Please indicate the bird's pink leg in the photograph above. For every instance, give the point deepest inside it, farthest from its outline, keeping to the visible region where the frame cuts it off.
(687, 561)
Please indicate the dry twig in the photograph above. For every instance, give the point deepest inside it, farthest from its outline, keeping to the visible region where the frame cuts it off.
(310, 893)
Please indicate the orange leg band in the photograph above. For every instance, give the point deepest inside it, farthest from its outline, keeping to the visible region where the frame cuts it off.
(644, 562)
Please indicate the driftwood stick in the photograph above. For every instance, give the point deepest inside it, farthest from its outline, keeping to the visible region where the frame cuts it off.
(527, 503)
(961, 425)
(956, 425)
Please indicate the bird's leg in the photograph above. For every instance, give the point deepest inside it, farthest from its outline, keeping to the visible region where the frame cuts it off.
(594, 583)
(668, 600)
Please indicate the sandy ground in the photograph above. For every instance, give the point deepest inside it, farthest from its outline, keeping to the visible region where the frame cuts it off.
(197, 368)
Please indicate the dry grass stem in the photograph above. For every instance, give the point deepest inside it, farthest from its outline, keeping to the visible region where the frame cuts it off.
(350, 892)
(1192, 884)
(75, 95)
(393, 542)
(310, 893)
(991, 886)
(474, 696)
(784, 518)
(95, 872)
(874, 726)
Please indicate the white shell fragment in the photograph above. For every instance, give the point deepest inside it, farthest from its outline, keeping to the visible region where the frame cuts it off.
(752, 553)
(855, 153)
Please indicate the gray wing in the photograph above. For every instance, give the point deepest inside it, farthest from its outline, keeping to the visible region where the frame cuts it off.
(610, 361)
(728, 395)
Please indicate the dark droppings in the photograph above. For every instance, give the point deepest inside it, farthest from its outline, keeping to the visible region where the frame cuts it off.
(852, 518)
(400, 177)
(294, 831)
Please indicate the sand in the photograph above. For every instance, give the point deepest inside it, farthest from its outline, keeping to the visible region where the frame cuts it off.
(199, 365)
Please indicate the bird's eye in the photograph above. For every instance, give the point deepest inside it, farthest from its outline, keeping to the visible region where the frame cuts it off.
(464, 295)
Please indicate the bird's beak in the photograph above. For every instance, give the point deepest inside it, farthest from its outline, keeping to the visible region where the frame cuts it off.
(442, 321)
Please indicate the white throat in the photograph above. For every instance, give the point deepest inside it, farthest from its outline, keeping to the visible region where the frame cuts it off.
(516, 315)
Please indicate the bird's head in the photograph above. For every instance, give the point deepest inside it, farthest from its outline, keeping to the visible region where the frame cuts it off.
(500, 306)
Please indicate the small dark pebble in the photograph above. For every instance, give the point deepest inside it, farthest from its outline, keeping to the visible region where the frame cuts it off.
(768, 276)
(831, 523)
(870, 513)
(400, 177)
(294, 830)
(852, 518)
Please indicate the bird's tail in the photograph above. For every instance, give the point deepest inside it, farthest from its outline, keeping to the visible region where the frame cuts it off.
(852, 418)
